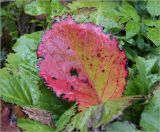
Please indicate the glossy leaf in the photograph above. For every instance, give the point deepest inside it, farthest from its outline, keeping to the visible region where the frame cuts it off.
(150, 116)
(84, 65)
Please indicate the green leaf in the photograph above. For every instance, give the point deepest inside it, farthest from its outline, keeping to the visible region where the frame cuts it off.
(153, 7)
(131, 53)
(21, 3)
(140, 42)
(57, 8)
(128, 12)
(153, 35)
(98, 115)
(23, 63)
(99, 12)
(19, 78)
(132, 28)
(118, 126)
(18, 88)
(151, 23)
(49, 101)
(27, 44)
(150, 117)
(38, 7)
(25, 56)
(30, 125)
(147, 76)
(20, 82)
(65, 118)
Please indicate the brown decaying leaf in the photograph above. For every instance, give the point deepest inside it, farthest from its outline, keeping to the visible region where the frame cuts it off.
(42, 116)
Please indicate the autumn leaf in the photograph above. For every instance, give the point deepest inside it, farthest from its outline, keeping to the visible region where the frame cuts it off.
(81, 63)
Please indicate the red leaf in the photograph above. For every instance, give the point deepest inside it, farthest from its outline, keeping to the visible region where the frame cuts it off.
(81, 63)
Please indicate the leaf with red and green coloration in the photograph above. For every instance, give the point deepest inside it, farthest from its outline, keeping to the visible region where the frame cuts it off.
(98, 115)
(81, 63)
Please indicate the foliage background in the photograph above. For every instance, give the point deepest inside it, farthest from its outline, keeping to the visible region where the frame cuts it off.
(135, 24)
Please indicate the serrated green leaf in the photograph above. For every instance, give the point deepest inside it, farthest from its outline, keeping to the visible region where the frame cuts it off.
(118, 126)
(16, 89)
(150, 117)
(153, 35)
(19, 78)
(29, 125)
(57, 8)
(128, 12)
(132, 28)
(147, 76)
(104, 13)
(25, 87)
(27, 44)
(98, 115)
(153, 7)
(65, 118)
(57, 106)
(25, 56)
(38, 7)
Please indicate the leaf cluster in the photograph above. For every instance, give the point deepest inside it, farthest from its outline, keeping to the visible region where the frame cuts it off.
(136, 25)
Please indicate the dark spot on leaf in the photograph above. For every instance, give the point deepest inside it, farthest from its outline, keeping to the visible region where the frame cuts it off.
(62, 95)
(123, 32)
(10, 72)
(73, 72)
(68, 48)
(54, 78)
(111, 37)
(103, 70)
(85, 81)
(72, 87)
(91, 65)
(98, 55)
